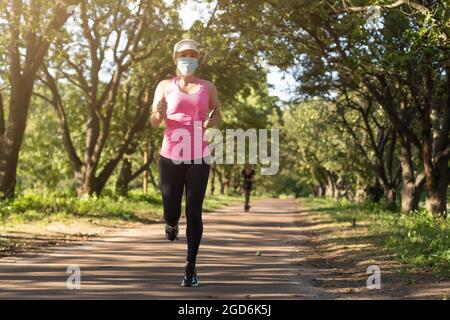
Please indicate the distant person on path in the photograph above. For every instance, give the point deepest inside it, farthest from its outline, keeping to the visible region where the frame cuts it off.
(248, 174)
(183, 102)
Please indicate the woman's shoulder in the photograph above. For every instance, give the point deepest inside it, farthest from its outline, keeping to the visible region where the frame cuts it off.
(164, 84)
(210, 84)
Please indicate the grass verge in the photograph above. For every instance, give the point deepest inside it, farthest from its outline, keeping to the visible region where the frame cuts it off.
(417, 239)
(33, 221)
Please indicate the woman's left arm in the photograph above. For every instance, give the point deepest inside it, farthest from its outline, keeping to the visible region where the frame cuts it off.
(214, 103)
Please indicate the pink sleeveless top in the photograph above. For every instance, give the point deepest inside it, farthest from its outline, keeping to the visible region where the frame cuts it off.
(184, 135)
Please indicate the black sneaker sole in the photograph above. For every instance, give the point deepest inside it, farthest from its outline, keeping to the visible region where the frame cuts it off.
(190, 282)
(175, 236)
(192, 285)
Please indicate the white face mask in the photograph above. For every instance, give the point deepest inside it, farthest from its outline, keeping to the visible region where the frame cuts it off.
(187, 65)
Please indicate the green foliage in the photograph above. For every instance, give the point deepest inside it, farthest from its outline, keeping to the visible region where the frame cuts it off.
(43, 161)
(316, 148)
(31, 206)
(417, 239)
(51, 206)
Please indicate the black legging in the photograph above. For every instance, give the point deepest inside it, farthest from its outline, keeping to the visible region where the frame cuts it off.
(173, 178)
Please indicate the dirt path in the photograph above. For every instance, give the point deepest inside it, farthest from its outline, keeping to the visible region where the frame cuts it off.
(140, 263)
(273, 252)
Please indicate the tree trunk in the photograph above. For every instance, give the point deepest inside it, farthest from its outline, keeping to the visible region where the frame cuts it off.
(375, 192)
(412, 185)
(124, 178)
(436, 197)
(153, 181)
(361, 194)
(227, 181)
(411, 191)
(237, 186)
(14, 132)
(145, 181)
(389, 197)
(213, 180)
(315, 191)
(85, 181)
(436, 171)
(331, 189)
(321, 190)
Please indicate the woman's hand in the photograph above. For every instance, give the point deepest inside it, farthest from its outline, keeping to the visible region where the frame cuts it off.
(161, 107)
(157, 116)
(213, 120)
(214, 104)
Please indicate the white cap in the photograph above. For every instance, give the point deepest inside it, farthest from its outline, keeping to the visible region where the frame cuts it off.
(185, 44)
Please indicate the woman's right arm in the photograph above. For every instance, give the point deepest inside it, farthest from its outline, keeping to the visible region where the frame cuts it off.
(159, 106)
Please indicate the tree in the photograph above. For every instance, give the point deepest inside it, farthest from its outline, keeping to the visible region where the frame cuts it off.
(328, 44)
(28, 30)
(109, 42)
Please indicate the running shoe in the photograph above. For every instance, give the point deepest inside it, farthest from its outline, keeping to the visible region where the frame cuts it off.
(190, 278)
(172, 232)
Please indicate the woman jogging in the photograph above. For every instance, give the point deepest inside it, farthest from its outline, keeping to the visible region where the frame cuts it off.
(188, 105)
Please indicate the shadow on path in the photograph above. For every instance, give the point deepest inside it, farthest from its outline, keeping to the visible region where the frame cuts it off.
(242, 256)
